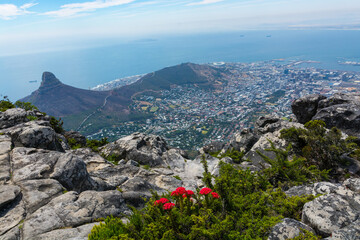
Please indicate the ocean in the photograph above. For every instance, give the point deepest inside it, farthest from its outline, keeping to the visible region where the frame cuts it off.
(88, 67)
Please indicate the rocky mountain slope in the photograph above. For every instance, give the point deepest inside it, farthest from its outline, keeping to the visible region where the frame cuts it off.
(48, 191)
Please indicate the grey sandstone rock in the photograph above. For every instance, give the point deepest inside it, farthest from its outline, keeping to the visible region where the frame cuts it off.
(330, 212)
(72, 209)
(36, 134)
(132, 163)
(287, 229)
(244, 140)
(37, 193)
(353, 184)
(70, 171)
(306, 107)
(8, 193)
(5, 148)
(144, 149)
(12, 117)
(11, 216)
(350, 232)
(77, 233)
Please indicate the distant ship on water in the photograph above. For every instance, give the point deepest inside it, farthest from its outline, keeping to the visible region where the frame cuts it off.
(268, 35)
(34, 81)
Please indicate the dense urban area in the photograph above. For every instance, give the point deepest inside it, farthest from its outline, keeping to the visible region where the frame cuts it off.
(189, 116)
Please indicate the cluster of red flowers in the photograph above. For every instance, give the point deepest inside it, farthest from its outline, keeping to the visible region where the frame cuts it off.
(206, 191)
(181, 191)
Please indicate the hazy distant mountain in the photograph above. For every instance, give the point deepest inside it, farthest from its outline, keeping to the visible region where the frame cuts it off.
(58, 99)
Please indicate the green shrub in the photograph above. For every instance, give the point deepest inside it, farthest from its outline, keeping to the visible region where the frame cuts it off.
(96, 144)
(113, 158)
(236, 156)
(147, 167)
(285, 173)
(177, 177)
(74, 144)
(6, 104)
(27, 106)
(32, 118)
(57, 125)
(246, 206)
(306, 235)
(321, 147)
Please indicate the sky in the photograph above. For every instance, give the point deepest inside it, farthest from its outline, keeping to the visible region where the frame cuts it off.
(28, 26)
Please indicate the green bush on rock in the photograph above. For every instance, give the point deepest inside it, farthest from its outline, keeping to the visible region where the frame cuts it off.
(243, 205)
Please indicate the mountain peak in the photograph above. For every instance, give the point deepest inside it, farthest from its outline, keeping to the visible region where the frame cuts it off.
(49, 80)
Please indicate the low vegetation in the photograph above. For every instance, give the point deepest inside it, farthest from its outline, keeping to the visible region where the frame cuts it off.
(239, 205)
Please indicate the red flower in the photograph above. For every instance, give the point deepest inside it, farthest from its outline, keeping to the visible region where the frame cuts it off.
(215, 195)
(168, 206)
(181, 190)
(189, 193)
(161, 201)
(205, 191)
(175, 193)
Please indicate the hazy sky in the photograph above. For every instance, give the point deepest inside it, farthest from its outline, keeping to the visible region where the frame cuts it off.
(40, 25)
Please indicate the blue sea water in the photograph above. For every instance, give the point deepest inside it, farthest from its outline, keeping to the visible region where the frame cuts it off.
(88, 67)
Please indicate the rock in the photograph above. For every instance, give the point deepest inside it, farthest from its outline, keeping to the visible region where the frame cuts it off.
(174, 160)
(115, 176)
(78, 233)
(12, 117)
(167, 182)
(5, 148)
(270, 130)
(93, 160)
(266, 124)
(37, 193)
(13, 234)
(287, 229)
(244, 140)
(350, 232)
(353, 184)
(338, 99)
(330, 212)
(63, 141)
(139, 184)
(144, 149)
(306, 107)
(12, 215)
(136, 199)
(132, 163)
(8, 193)
(346, 117)
(69, 170)
(76, 136)
(36, 134)
(72, 209)
(212, 147)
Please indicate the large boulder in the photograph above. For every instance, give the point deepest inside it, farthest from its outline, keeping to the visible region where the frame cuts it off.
(8, 193)
(73, 209)
(36, 134)
(142, 148)
(306, 107)
(69, 170)
(244, 140)
(333, 211)
(12, 117)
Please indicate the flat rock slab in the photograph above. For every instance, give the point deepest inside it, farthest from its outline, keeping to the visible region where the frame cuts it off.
(288, 229)
(72, 209)
(11, 216)
(350, 232)
(78, 233)
(37, 193)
